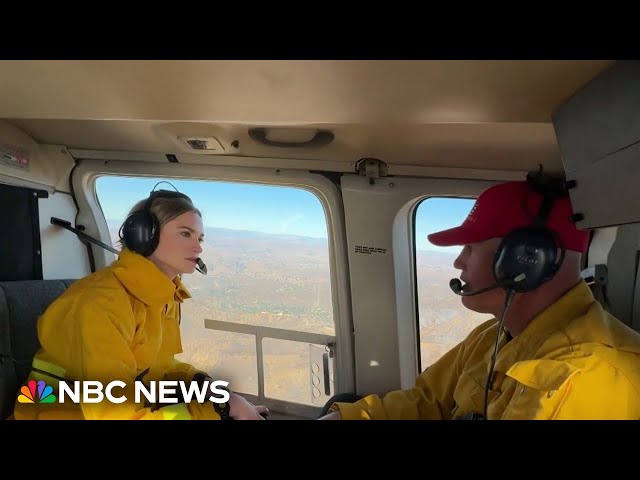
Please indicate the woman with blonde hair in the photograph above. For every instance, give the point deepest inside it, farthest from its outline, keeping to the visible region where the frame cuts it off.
(121, 323)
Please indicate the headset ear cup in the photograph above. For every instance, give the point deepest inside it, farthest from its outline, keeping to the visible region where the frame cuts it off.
(502, 261)
(529, 253)
(138, 231)
(154, 236)
(558, 252)
(499, 260)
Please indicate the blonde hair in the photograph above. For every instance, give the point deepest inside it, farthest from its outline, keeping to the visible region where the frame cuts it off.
(165, 210)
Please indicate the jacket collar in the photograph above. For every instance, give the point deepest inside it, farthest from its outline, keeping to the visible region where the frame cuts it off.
(574, 303)
(144, 280)
(181, 291)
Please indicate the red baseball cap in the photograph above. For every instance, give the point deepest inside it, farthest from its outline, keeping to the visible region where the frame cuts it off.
(500, 209)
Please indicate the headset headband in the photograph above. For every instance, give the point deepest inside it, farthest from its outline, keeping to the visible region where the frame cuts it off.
(551, 188)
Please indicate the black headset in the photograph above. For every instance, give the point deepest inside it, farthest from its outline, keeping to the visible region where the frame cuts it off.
(531, 255)
(140, 232)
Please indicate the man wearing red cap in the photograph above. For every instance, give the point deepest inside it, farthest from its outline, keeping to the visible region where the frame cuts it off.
(551, 352)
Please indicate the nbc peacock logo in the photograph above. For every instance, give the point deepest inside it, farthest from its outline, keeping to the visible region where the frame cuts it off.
(44, 393)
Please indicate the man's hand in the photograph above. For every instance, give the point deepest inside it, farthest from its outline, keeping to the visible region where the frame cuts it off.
(332, 416)
(242, 409)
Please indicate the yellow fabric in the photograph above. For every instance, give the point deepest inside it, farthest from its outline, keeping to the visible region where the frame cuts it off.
(119, 323)
(178, 411)
(573, 361)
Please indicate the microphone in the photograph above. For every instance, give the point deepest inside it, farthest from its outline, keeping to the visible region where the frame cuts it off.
(201, 267)
(456, 285)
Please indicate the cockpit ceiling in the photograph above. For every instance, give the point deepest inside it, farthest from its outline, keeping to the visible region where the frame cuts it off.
(475, 114)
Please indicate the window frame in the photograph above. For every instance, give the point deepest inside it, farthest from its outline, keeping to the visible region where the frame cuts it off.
(383, 289)
(414, 214)
(91, 216)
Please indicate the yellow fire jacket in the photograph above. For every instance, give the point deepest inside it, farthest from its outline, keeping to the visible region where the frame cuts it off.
(120, 323)
(573, 361)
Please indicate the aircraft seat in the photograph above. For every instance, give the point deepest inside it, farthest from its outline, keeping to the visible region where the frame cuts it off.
(21, 303)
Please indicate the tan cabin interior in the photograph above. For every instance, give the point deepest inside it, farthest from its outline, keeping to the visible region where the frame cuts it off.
(418, 128)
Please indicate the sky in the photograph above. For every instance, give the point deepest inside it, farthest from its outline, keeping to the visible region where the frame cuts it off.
(266, 209)
(436, 214)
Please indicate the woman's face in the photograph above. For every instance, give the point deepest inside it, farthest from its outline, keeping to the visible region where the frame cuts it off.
(180, 245)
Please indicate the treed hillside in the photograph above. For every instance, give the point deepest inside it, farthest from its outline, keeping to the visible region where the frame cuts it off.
(283, 281)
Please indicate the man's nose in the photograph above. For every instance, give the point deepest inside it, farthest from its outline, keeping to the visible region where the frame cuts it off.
(459, 262)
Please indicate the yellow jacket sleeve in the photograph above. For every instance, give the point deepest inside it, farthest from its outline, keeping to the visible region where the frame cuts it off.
(431, 398)
(99, 350)
(182, 371)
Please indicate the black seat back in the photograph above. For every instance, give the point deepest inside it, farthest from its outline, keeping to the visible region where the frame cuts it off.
(21, 303)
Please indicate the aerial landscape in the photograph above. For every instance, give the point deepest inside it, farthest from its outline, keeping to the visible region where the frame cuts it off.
(283, 281)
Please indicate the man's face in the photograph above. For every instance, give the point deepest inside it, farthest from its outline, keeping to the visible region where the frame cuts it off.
(476, 265)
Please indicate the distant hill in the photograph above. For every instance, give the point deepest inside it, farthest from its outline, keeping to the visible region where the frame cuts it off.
(283, 281)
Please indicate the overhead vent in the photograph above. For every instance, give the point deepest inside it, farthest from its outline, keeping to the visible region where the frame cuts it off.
(209, 144)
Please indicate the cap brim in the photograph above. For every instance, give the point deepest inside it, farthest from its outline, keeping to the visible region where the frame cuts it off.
(455, 236)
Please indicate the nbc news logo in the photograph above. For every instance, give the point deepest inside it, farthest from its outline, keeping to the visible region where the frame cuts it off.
(44, 393)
